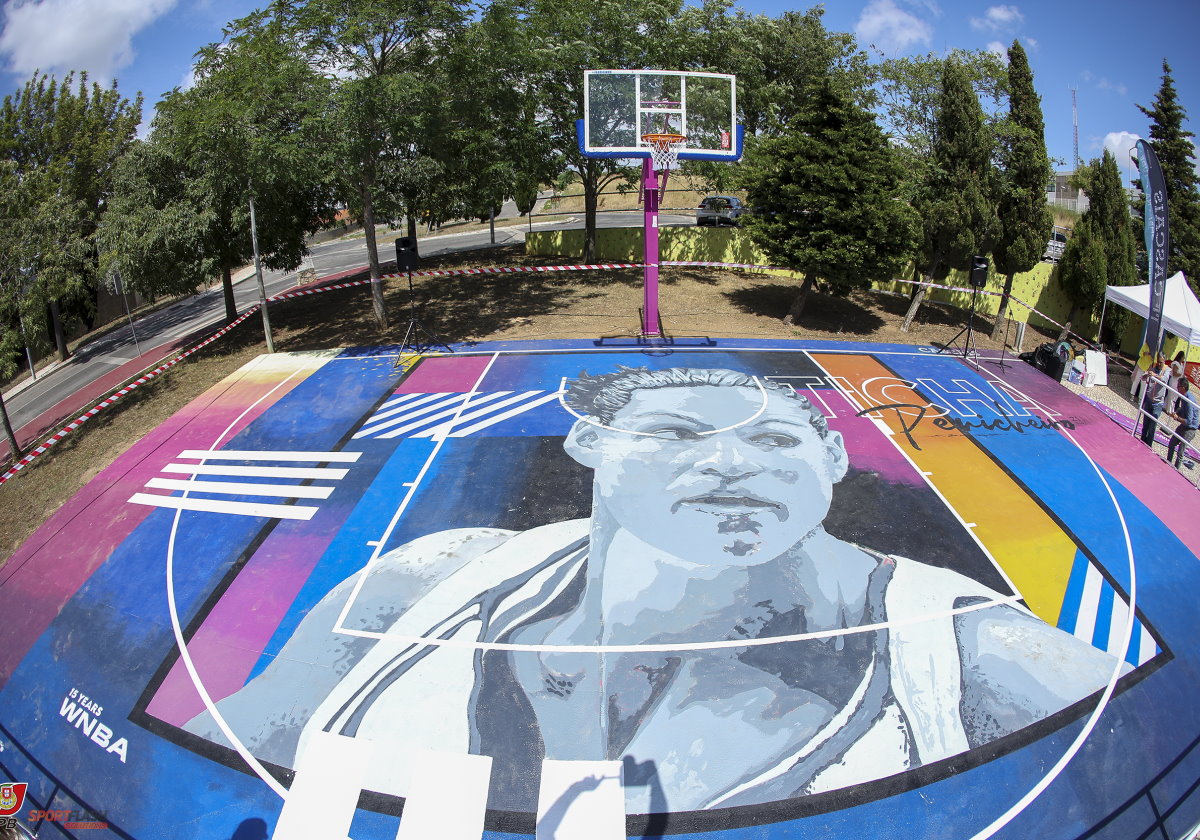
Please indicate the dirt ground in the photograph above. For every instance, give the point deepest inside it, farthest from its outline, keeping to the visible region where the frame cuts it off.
(568, 304)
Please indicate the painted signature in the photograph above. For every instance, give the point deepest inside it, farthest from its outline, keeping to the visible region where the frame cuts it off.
(910, 416)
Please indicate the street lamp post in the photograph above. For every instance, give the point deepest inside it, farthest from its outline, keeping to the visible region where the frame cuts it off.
(262, 291)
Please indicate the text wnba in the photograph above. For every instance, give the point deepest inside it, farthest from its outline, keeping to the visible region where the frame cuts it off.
(90, 726)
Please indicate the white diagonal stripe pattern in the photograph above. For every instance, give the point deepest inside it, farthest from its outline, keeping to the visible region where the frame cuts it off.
(213, 466)
(438, 416)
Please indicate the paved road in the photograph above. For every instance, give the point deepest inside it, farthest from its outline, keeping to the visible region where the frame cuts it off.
(99, 360)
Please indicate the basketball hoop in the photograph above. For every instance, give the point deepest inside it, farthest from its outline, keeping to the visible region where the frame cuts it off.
(664, 149)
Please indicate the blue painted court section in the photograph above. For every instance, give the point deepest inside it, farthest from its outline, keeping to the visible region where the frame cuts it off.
(720, 598)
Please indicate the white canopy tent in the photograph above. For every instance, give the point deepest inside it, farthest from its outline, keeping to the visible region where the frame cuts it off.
(1181, 310)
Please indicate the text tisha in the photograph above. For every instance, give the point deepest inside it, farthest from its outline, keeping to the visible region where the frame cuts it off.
(83, 713)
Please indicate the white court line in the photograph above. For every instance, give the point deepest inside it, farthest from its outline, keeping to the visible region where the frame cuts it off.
(331, 473)
(376, 422)
(300, 512)
(455, 412)
(512, 412)
(1089, 603)
(1053, 773)
(237, 488)
(433, 641)
(329, 779)
(891, 435)
(927, 353)
(393, 407)
(1116, 619)
(521, 401)
(382, 540)
(447, 798)
(578, 799)
(1148, 646)
(185, 657)
(264, 455)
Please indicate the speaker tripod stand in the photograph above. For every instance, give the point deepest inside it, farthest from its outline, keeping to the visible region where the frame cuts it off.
(418, 338)
(968, 345)
(978, 279)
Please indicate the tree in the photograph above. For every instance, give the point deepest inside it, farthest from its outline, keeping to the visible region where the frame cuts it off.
(1101, 250)
(955, 202)
(1176, 156)
(909, 91)
(779, 63)
(248, 128)
(1025, 222)
(75, 135)
(382, 58)
(825, 198)
(41, 246)
(494, 145)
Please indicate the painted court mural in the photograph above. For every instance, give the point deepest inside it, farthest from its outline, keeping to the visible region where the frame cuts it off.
(572, 591)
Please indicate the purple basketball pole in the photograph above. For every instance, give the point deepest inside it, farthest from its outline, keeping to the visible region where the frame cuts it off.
(650, 191)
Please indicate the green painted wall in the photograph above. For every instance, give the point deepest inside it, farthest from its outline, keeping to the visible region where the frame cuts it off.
(1039, 288)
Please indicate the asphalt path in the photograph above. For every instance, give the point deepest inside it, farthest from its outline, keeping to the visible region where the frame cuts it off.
(205, 312)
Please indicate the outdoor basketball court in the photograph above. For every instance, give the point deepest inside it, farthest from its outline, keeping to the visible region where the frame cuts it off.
(608, 589)
(309, 606)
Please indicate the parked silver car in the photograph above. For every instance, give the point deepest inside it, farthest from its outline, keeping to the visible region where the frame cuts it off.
(1056, 246)
(720, 210)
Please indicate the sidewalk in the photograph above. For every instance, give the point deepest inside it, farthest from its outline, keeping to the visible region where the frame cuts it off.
(53, 418)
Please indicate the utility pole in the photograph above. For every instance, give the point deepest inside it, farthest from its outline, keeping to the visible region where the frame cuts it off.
(1075, 121)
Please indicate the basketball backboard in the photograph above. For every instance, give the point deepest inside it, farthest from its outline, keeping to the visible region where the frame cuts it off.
(619, 106)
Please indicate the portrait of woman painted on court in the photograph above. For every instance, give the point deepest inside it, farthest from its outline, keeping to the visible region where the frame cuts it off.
(702, 621)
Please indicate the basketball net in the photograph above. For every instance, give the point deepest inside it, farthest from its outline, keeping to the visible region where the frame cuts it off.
(664, 150)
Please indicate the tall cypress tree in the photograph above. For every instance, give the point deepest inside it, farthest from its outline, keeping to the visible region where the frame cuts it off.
(1024, 216)
(1101, 251)
(1175, 155)
(825, 197)
(955, 203)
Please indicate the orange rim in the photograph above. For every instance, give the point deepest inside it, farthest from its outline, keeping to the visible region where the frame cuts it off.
(663, 139)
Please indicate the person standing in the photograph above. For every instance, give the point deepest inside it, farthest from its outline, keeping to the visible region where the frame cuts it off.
(1152, 402)
(1173, 390)
(1187, 412)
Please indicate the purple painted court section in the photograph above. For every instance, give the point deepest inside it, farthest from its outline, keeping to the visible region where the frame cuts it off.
(873, 452)
(232, 637)
(1123, 456)
(441, 375)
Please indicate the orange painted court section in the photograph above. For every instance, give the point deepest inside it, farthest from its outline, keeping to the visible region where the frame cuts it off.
(1024, 540)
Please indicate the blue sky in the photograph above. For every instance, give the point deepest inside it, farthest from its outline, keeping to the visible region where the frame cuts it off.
(1110, 52)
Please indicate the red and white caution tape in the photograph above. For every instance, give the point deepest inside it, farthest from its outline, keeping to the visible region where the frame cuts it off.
(458, 272)
(745, 266)
(518, 269)
(116, 395)
(1011, 297)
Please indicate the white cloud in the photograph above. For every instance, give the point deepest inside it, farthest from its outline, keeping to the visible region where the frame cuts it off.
(188, 81)
(1117, 87)
(997, 48)
(891, 29)
(999, 18)
(1119, 143)
(61, 35)
(1031, 42)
